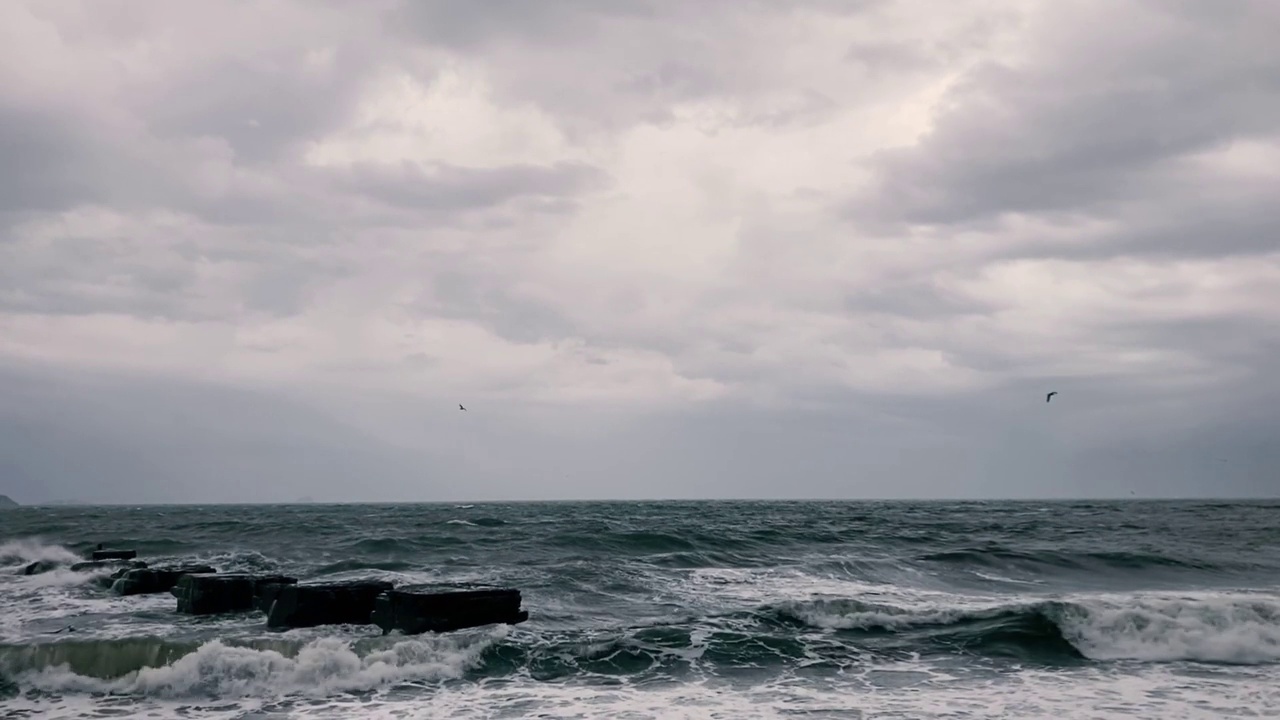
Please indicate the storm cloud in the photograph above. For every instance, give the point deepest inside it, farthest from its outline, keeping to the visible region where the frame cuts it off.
(659, 249)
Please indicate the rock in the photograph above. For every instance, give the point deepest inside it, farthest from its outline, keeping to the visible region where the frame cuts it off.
(39, 566)
(144, 581)
(114, 554)
(435, 608)
(7, 503)
(88, 565)
(267, 593)
(337, 603)
(231, 592)
(108, 581)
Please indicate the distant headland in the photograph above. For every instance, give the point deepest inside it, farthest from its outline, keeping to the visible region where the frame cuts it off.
(7, 502)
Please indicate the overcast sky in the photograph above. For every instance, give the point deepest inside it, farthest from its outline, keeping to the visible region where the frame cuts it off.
(810, 248)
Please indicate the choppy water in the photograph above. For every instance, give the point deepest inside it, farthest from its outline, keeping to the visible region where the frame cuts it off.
(699, 609)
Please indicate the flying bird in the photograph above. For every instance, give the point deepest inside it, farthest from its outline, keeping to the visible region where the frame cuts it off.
(460, 407)
(1049, 397)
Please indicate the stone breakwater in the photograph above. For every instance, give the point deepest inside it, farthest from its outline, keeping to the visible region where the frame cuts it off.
(288, 603)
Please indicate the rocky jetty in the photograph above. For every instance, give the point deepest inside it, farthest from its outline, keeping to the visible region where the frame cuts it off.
(223, 593)
(101, 554)
(335, 603)
(266, 595)
(201, 590)
(89, 565)
(44, 566)
(417, 609)
(145, 581)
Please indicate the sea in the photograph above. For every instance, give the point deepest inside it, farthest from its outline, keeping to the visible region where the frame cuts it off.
(1135, 609)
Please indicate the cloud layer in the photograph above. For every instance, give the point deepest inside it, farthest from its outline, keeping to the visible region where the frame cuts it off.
(646, 230)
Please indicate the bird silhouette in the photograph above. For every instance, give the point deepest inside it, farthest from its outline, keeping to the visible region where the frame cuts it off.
(1049, 397)
(460, 407)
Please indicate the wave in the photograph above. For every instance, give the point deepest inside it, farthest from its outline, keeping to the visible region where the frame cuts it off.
(221, 668)
(342, 566)
(629, 542)
(1222, 629)
(28, 550)
(996, 556)
(842, 632)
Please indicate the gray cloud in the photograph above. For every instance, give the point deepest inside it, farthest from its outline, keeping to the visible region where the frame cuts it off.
(1089, 120)
(456, 188)
(261, 108)
(39, 156)
(816, 248)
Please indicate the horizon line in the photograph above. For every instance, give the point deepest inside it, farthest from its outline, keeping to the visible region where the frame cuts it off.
(185, 503)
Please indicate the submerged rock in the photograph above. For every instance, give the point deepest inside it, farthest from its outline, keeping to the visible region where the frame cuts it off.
(114, 554)
(436, 608)
(336, 603)
(38, 567)
(231, 592)
(144, 581)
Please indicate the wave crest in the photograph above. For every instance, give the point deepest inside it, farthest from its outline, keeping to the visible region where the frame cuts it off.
(28, 550)
(1213, 629)
(222, 669)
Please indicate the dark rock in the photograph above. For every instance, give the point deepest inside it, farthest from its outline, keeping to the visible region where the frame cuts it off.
(266, 594)
(440, 608)
(231, 592)
(109, 581)
(144, 581)
(114, 554)
(88, 565)
(39, 566)
(338, 603)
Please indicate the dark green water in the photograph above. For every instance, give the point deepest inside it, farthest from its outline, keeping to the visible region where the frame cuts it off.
(680, 609)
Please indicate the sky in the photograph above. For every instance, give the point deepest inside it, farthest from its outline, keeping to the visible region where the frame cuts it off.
(261, 251)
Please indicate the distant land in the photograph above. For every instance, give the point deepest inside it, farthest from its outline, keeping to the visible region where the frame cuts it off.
(7, 502)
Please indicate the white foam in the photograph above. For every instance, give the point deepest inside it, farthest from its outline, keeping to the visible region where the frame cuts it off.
(1081, 695)
(1225, 628)
(28, 550)
(823, 601)
(838, 616)
(1236, 628)
(1152, 693)
(321, 668)
(1001, 578)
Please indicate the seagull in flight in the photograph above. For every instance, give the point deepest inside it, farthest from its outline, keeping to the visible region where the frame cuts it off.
(1049, 397)
(460, 407)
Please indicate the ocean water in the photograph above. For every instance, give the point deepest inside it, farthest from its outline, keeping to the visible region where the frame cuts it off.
(672, 610)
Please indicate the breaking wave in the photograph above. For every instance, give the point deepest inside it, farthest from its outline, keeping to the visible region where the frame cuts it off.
(22, 551)
(1004, 557)
(1224, 629)
(220, 668)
